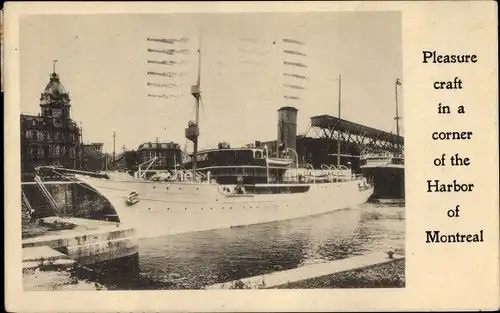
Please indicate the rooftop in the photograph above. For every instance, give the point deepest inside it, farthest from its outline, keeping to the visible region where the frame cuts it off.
(159, 145)
(327, 121)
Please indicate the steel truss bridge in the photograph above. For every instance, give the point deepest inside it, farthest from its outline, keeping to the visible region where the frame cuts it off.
(363, 137)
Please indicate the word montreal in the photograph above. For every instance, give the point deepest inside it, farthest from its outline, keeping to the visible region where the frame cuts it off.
(433, 57)
(436, 237)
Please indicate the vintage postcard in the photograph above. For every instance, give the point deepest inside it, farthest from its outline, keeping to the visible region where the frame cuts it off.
(251, 156)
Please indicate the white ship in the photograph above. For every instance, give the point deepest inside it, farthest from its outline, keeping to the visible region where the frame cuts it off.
(159, 208)
(228, 188)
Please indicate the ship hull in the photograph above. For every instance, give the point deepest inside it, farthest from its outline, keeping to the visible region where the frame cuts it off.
(388, 181)
(161, 208)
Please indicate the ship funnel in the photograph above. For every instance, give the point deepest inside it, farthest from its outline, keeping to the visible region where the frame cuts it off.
(287, 129)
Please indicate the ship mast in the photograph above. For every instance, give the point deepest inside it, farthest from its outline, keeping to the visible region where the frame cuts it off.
(397, 118)
(338, 133)
(193, 132)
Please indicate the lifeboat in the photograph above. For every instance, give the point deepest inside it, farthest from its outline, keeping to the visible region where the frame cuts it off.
(281, 162)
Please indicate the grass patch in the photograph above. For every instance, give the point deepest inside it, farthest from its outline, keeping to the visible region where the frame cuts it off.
(388, 275)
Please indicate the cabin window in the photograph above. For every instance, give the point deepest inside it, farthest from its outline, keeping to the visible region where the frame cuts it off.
(258, 154)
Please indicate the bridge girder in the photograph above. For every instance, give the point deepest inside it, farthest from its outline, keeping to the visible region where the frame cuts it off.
(360, 140)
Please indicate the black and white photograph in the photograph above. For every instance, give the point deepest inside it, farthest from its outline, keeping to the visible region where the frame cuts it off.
(209, 151)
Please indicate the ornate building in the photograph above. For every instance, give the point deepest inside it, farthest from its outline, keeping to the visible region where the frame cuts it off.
(51, 137)
(93, 157)
(168, 154)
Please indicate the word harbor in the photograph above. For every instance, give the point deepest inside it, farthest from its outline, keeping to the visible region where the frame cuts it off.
(455, 187)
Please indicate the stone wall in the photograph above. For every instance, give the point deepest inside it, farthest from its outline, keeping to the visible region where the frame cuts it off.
(73, 200)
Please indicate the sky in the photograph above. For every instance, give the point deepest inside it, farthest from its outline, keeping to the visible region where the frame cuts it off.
(102, 61)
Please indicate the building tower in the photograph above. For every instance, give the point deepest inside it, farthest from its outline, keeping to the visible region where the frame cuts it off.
(51, 137)
(55, 101)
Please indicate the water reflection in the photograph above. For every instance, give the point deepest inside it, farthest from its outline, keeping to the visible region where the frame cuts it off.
(192, 261)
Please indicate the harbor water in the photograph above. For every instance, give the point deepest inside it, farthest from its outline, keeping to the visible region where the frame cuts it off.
(196, 260)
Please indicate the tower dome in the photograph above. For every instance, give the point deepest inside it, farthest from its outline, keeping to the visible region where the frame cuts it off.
(54, 100)
(54, 87)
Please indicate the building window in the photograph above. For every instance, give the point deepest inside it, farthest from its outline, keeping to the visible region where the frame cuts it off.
(56, 112)
(57, 150)
(28, 134)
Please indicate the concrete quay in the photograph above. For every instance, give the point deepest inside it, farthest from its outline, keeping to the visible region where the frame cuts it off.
(55, 259)
(309, 275)
(88, 242)
(45, 269)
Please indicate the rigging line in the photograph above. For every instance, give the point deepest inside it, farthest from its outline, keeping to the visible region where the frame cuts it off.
(193, 111)
(203, 107)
